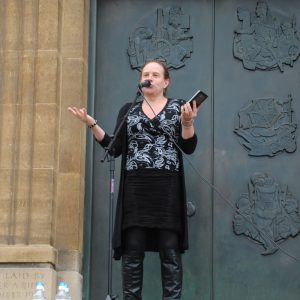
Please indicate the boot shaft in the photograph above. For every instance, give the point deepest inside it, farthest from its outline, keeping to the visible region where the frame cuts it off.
(171, 274)
(132, 273)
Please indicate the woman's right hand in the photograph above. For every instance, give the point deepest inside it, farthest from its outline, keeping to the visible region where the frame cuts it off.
(81, 114)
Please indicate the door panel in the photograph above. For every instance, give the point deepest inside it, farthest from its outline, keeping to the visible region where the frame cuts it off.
(240, 271)
(219, 264)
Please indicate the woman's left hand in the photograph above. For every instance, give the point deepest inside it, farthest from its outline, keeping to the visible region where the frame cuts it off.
(188, 113)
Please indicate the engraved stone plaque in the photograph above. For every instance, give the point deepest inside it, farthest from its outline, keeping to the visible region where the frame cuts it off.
(168, 40)
(266, 127)
(268, 213)
(19, 283)
(264, 40)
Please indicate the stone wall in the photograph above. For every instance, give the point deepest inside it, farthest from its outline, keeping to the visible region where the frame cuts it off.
(43, 70)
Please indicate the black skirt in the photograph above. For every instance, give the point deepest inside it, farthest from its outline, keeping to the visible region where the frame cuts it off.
(152, 200)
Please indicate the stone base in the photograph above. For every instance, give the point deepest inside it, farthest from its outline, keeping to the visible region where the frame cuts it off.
(17, 281)
(74, 281)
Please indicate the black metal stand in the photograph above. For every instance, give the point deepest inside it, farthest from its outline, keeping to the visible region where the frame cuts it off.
(109, 156)
(110, 227)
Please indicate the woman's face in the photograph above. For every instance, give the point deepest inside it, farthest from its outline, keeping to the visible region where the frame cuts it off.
(154, 72)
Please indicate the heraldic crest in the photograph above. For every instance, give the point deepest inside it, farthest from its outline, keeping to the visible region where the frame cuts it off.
(169, 40)
(265, 41)
(268, 213)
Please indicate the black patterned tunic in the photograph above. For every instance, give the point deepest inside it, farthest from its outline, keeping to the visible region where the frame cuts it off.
(152, 164)
(150, 141)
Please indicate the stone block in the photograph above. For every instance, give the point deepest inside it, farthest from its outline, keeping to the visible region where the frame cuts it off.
(48, 24)
(72, 82)
(70, 260)
(7, 134)
(2, 28)
(72, 131)
(30, 17)
(5, 202)
(26, 136)
(28, 254)
(45, 137)
(41, 206)
(10, 77)
(21, 204)
(15, 204)
(12, 17)
(73, 29)
(27, 76)
(46, 77)
(67, 214)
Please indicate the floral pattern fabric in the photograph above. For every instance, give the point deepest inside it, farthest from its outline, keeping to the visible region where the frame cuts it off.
(152, 142)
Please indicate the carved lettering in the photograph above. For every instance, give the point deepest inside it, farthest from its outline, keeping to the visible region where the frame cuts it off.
(19, 285)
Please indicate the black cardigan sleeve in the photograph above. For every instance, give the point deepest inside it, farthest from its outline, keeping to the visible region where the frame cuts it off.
(188, 146)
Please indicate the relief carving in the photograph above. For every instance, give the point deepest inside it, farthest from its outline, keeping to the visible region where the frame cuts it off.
(265, 41)
(169, 40)
(268, 213)
(266, 127)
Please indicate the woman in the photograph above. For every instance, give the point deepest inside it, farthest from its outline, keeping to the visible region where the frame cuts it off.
(151, 208)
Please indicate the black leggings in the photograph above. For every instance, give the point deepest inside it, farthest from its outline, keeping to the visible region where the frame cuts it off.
(136, 237)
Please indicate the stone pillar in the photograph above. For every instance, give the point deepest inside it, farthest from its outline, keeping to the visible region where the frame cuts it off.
(43, 70)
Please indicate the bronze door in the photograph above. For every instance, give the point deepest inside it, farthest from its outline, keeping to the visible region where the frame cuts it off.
(243, 178)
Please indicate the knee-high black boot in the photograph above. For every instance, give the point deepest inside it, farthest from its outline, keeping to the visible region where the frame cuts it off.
(171, 274)
(132, 272)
